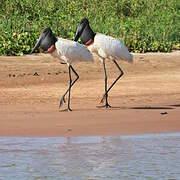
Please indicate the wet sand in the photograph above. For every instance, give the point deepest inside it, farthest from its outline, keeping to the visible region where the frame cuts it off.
(145, 100)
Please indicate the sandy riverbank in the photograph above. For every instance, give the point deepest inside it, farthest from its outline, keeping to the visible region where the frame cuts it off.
(146, 99)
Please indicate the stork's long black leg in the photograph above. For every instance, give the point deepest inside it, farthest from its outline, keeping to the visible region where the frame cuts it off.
(72, 83)
(105, 80)
(63, 97)
(121, 73)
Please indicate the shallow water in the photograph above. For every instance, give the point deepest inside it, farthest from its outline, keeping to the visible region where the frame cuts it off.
(152, 156)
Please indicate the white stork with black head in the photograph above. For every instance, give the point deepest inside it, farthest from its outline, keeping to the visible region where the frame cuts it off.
(66, 50)
(105, 47)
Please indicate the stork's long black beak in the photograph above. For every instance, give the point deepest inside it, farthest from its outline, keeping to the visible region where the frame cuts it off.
(37, 45)
(77, 35)
(80, 28)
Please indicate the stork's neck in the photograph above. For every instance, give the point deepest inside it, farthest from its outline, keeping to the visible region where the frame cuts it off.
(89, 42)
(51, 49)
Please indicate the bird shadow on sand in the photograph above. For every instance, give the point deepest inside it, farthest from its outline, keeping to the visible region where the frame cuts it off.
(175, 105)
(152, 107)
(112, 108)
(138, 107)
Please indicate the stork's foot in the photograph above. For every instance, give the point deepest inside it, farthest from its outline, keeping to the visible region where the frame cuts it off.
(67, 109)
(107, 105)
(62, 101)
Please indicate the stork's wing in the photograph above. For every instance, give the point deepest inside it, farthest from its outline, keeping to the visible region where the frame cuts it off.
(113, 47)
(73, 51)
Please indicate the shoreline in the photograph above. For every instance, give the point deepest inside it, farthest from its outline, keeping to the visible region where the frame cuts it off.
(101, 136)
(118, 121)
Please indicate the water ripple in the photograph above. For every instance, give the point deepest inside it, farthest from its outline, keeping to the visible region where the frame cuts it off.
(152, 156)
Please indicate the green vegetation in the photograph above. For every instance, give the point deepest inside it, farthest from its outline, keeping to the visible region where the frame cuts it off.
(144, 25)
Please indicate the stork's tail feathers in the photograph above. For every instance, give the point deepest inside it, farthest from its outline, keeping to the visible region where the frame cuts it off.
(127, 57)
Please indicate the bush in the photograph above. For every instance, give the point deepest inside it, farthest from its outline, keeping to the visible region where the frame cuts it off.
(144, 25)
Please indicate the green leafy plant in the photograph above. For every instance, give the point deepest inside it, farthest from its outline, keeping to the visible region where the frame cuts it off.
(144, 25)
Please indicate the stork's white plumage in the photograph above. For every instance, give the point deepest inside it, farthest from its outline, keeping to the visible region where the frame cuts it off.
(105, 47)
(109, 47)
(66, 50)
(71, 51)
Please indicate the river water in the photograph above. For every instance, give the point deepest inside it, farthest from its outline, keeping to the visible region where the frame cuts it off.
(149, 156)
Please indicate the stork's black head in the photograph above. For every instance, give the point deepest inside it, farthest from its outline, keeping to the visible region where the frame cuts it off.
(84, 21)
(84, 31)
(45, 41)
